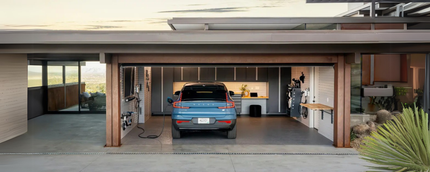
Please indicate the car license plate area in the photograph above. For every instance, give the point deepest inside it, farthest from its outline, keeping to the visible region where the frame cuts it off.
(203, 121)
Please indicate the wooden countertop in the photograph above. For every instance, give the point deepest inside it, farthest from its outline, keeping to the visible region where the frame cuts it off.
(259, 97)
(317, 106)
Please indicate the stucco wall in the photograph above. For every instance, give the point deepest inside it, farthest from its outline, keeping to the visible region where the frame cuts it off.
(13, 96)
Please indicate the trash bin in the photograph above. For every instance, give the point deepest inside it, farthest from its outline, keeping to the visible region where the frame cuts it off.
(255, 110)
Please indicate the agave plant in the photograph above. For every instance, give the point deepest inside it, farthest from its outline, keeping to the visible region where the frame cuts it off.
(402, 144)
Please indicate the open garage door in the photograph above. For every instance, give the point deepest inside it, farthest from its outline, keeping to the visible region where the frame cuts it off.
(273, 72)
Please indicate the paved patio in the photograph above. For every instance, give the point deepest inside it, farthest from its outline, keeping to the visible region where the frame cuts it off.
(75, 142)
(191, 163)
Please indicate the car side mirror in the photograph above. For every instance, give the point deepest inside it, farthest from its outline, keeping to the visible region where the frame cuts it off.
(169, 100)
(231, 93)
(177, 93)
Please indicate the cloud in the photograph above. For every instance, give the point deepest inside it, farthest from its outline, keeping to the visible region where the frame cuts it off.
(27, 25)
(210, 10)
(95, 27)
(123, 21)
(195, 4)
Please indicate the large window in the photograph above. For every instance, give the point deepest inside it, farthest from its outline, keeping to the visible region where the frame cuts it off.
(34, 75)
(356, 88)
(93, 86)
(69, 91)
(72, 74)
(55, 75)
(387, 82)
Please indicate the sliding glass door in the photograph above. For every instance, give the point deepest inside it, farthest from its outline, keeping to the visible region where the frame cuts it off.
(76, 86)
(93, 92)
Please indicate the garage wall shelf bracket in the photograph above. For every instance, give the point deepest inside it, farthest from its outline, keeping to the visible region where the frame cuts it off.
(329, 112)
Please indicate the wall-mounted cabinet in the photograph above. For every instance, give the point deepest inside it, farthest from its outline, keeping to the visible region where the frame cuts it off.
(251, 74)
(190, 73)
(207, 73)
(225, 74)
(241, 73)
(262, 74)
(177, 71)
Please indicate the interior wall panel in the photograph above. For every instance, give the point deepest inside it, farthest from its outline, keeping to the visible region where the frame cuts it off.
(156, 90)
(325, 95)
(296, 72)
(285, 80)
(36, 105)
(272, 104)
(167, 88)
(13, 96)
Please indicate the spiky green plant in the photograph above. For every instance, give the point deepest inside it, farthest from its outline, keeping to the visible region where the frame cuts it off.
(402, 144)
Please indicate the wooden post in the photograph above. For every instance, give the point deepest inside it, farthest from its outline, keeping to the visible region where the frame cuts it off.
(339, 103)
(113, 129)
(109, 142)
(116, 104)
(342, 103)
(347, 108)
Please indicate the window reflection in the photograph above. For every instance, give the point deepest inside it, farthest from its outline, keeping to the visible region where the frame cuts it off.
(34, 75)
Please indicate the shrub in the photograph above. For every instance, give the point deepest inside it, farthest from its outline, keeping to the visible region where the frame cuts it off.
(402, 144)
(382, 116)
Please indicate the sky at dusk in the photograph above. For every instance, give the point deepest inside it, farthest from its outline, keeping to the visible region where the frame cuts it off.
(145, 14)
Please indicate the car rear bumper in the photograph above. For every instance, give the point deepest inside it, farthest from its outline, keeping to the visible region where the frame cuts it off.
(213, 125)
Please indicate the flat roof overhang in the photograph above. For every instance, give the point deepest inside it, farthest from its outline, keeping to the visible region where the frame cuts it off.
(213, 48)
(280, 23)
(216, 37)
(245, 42)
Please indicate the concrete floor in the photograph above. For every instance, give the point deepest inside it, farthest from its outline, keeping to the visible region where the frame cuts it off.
(190, 163)
(61, 133)
(76, 143)
(271, 130)
(86, 133)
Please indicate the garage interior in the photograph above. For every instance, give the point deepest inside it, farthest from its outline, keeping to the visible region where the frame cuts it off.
(268, 84)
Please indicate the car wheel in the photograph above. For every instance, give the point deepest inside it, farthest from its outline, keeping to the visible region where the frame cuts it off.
(176, 134)
(232, 133)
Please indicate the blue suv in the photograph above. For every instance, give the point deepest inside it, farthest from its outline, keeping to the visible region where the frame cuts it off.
(204, 106)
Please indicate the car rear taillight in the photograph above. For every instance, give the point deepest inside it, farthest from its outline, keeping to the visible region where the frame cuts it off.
(230, 104)
(227, 122)
(178, 104)
(179, 122)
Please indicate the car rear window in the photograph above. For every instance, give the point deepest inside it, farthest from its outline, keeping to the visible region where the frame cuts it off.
(200, 92)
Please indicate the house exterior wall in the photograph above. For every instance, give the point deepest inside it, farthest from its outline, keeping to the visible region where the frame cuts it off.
(13, 95)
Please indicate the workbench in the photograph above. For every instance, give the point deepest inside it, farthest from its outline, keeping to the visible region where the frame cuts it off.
(320, 107)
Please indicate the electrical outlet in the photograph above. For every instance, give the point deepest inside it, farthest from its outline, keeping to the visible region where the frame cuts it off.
(328, 100)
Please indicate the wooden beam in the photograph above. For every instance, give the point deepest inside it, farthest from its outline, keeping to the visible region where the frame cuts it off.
(353, 58)
(339, 102)
(116, 104)
(347, 108)
(105, 58)
(228, 58)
